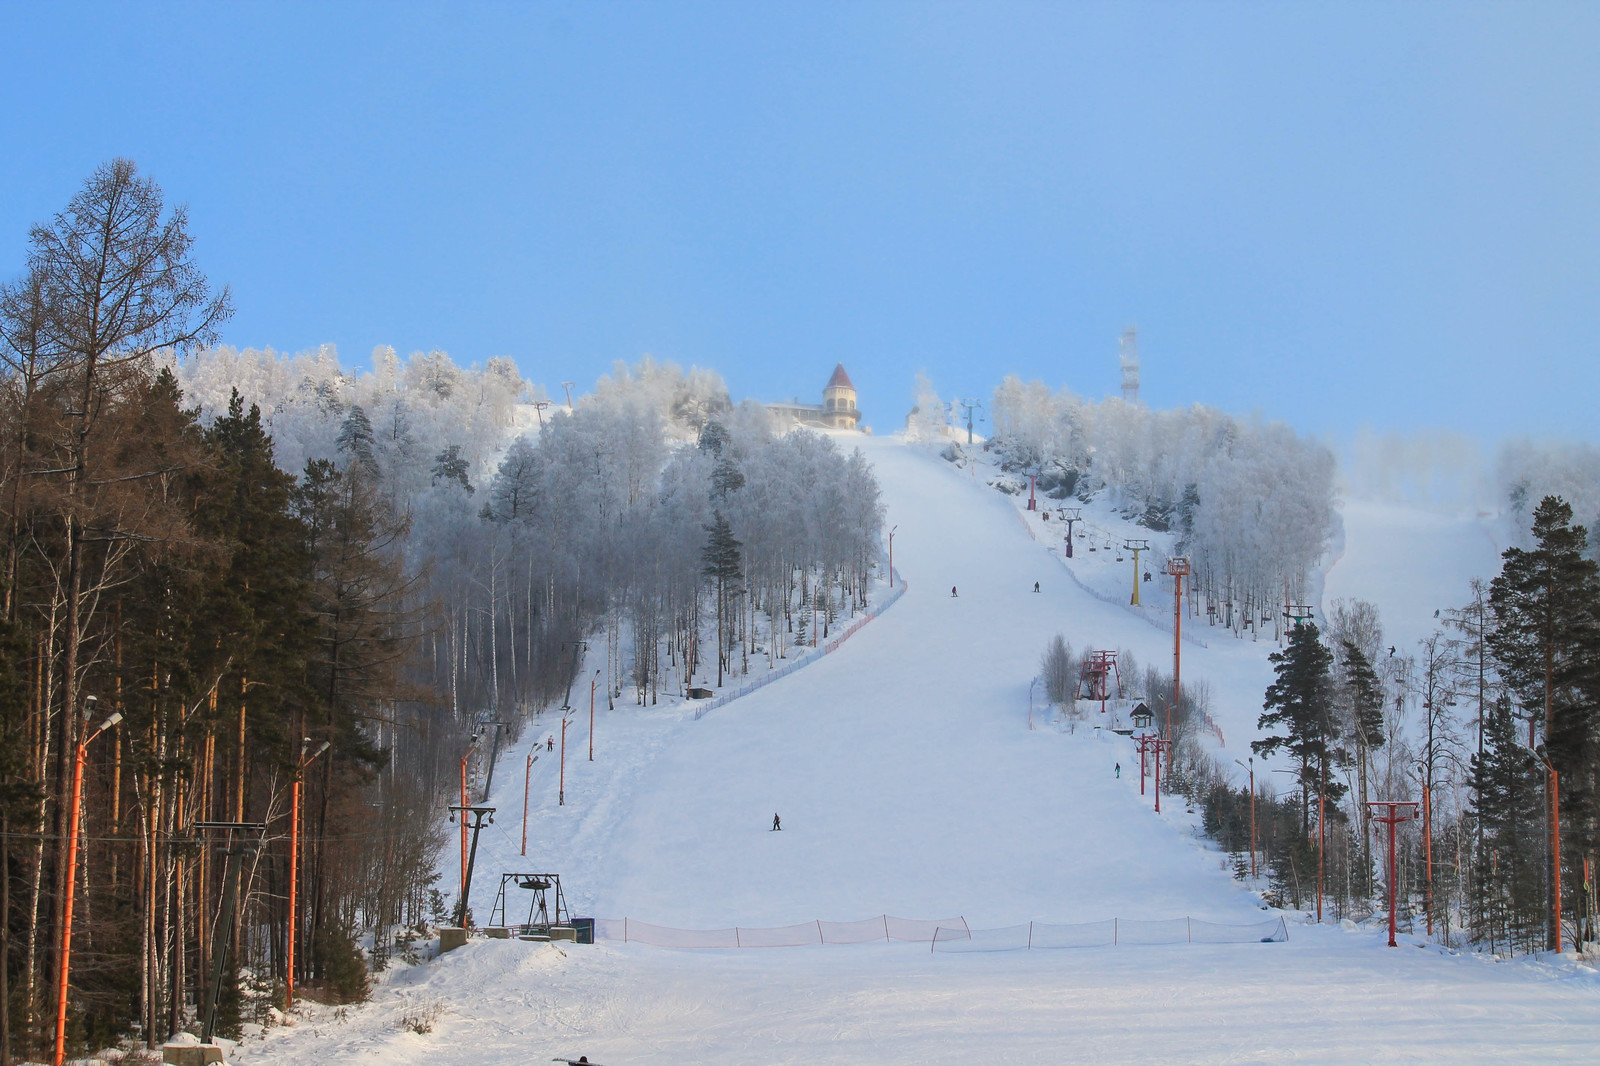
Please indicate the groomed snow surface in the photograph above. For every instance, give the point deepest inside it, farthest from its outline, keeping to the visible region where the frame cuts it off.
(909, 783)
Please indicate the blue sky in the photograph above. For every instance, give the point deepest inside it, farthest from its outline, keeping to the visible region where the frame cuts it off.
(1334, 214)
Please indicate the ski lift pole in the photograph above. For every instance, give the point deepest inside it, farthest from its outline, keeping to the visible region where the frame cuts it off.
(223, 934)
(1136, 546)
(479, 816)
(1393, 818)
(1178, 567)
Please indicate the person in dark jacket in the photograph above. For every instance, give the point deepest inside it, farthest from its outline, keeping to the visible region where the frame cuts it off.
(776, 824)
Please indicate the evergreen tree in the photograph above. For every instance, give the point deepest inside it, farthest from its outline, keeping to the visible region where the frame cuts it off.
(720, 559)
(1546, 642)
(1300, 702)
(1507, 784)
(355, 440)
(450, 466)
(1364, 692)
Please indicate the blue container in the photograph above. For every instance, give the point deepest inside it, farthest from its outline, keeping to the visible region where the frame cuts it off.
(585, 929)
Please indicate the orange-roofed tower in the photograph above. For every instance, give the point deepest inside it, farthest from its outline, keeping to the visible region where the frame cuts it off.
(839, 401)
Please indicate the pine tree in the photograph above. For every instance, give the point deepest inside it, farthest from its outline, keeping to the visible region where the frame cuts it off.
(720, 559)
(1546, 642)
(1506, 783)
(1300, 702)
(355, 439)
(1365, 694)
(450, 466)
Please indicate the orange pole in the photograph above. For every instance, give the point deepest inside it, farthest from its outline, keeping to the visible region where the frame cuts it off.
(1555, 849)
(294, 886)
(463, 830)
(1177, 652)
(1427, 848)
(527, 775)
(1319, 855)
(66, 923)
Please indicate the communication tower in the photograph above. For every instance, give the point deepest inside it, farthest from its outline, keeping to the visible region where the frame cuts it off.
(1128, 355)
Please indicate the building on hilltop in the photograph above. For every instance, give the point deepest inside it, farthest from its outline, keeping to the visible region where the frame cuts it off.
(836, 411)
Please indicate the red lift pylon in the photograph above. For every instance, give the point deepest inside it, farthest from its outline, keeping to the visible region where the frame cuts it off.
(1392, 819)
(1094, 683)
(1178, 567)
(1151, 743)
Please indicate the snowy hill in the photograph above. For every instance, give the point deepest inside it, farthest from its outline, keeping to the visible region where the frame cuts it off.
(910, 783)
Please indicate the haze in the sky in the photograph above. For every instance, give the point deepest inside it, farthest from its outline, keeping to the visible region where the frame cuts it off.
(1335, 214)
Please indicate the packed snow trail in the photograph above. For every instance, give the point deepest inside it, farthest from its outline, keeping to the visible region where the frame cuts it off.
(908, 782)
(902, 764)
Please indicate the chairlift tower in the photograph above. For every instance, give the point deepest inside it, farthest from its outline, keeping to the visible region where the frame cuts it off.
(1136, 546)
(1070, 515)
(1094, 681)
(1128, 356)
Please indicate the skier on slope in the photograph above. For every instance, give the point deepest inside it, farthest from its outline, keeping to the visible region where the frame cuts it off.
(1036, 586)
(952, 591)
(776, 824)
(550, 742)
(1119, 770)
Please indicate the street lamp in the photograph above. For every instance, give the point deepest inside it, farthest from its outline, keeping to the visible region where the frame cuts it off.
(72, 875)
(1032, 683)
(1252, 769)
(294, 863)
(592, 683)
(891, 555)
(1555, 847)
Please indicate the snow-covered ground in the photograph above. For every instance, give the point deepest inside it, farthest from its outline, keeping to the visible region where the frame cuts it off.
(910, 783)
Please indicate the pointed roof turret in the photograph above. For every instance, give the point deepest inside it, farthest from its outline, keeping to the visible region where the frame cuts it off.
(840, 379)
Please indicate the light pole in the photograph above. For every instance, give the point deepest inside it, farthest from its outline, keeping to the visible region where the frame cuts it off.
(1555, 847)
(1252, 769)
(576, 645)
(527, 777)
(592, 683)
(891, 555)
(294, 866)
(464, 802)
(1032, 683)
(72, 876)
(568, 386)
(561, 789)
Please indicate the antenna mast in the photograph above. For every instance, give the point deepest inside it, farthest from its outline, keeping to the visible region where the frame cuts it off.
(1128, 356)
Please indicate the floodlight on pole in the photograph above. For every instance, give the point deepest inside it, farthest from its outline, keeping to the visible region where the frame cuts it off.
(64, 965)
(1555, 848)
(294, 866)
(891, 555)
(1252, 770)
(592, 683)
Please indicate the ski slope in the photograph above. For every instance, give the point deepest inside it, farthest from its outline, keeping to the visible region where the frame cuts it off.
(910, 783)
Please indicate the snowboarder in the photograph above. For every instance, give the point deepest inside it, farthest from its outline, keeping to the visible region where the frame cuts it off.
(1119, 771)
(776, 824)
(952, 591)
(1036, 586)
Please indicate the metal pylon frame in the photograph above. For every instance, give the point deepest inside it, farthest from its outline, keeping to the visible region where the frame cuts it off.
(544, 910)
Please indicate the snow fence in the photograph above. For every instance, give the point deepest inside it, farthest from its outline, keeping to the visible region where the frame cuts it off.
(947, 934)
(1113, 933)
(890, 598)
